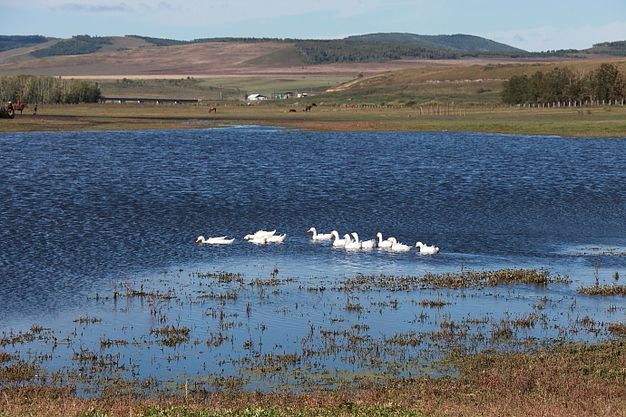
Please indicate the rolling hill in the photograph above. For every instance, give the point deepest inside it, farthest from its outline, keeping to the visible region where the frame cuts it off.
(459, 42)
(380, 47)
(8, 42)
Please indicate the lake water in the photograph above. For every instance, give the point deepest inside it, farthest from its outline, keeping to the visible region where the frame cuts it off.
(88, 215)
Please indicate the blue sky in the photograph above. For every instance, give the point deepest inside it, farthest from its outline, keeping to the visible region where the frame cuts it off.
(531, 24)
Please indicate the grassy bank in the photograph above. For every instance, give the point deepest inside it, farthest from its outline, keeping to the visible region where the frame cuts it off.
(587, 122)
(568, 380)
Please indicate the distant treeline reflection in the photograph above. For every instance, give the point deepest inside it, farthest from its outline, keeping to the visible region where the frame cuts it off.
(48, 90)
(561, 85)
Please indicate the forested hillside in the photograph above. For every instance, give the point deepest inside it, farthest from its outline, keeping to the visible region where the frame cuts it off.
(13, 41)
(77, 45)
(337, 51)
(459, 42)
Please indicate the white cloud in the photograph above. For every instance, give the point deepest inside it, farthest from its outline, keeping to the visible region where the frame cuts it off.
(547, 37)
(92, 8)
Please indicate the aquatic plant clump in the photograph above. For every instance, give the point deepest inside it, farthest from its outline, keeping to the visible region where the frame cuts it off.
(463, 279)
(606, 290)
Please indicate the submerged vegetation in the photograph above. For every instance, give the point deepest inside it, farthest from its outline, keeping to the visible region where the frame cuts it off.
(463, 279)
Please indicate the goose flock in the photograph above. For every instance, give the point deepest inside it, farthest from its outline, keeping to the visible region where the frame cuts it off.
(350, 242)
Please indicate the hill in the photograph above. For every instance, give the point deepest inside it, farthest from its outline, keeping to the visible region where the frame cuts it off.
(459, 42)
(609, 48)
(8, 42)
(469, 84)
(77, 45)
(381, 47)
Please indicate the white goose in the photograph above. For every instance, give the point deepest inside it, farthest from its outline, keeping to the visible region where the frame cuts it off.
(221, 240)
(260, 234)
(339, 243)
(353, 244)
(384, 244)
(276, 238)
(399, 247)
(258, 240)
(321, 236)
(365, 244)
(426, 250)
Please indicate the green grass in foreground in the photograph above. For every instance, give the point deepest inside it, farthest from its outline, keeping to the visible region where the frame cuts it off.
(347, 410)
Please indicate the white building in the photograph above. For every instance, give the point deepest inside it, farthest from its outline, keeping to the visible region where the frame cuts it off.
(256, 97)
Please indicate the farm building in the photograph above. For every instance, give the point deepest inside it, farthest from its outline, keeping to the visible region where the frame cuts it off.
(256, 97)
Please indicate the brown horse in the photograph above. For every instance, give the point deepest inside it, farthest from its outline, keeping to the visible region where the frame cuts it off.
(212, 109)
(19, 106)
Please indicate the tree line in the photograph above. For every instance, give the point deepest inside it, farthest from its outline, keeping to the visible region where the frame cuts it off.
(47, 90)
(334, 51)
(561, 85)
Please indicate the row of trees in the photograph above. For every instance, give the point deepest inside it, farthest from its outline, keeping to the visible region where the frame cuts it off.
(561, 85)
(47, 90)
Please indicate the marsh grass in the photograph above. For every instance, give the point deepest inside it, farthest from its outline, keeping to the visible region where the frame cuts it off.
(171, 335)
(563, 381)
(222, 276)
(19, 371)
(606, 290)
(6, 357)
(618, 329)
(434, 303)
(452, 280)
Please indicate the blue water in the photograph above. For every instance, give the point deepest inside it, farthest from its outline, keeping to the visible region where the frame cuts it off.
(81, 213)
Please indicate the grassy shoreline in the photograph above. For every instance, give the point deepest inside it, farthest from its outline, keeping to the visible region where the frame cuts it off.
(566, 380)
(596, 122)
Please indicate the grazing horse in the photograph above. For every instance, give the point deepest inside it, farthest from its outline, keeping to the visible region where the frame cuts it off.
(212, 109)
(19, 106)
(292, 110)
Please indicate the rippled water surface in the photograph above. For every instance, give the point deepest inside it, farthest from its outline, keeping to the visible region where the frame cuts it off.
(87, 215)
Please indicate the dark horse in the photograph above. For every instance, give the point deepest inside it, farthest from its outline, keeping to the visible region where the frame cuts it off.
(212, 109)
(310, 107)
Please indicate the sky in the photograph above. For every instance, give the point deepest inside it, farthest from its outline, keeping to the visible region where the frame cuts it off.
(533, 25)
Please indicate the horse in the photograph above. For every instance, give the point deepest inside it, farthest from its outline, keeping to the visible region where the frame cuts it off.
(292, 110)
(212, 109)
(308, 108)
(19, 106)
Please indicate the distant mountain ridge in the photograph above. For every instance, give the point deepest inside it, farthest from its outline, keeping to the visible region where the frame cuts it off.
(357, 48)
(26, 53)
(458, 42)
